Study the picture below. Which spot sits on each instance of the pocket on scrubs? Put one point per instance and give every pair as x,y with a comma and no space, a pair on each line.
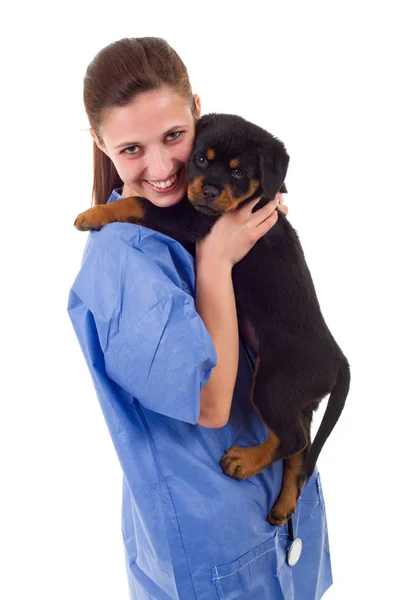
254,576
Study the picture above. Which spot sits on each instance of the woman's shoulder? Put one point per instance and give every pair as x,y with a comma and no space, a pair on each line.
124,260
138,243
112,238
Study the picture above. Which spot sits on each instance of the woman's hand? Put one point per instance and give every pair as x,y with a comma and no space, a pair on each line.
281,207
234,234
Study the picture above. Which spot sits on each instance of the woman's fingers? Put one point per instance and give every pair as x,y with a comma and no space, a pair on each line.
282,208
264,213
263,227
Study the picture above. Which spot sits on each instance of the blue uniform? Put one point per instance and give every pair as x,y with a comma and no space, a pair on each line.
190,532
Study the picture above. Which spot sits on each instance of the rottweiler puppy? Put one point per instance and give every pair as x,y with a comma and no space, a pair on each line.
298,360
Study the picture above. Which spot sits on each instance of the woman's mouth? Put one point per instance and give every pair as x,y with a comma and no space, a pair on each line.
168,185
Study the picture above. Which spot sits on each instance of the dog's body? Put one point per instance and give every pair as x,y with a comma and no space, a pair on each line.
298,362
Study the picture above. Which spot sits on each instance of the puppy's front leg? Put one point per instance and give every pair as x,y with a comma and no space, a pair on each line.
126,210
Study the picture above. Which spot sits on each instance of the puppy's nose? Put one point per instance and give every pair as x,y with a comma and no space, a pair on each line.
210,193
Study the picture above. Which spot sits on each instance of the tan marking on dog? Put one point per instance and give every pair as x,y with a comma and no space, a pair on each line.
234,163
210,154
292,483
126,210
195,189
226,201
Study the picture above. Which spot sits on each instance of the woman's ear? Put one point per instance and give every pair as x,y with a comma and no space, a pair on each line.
197,110
97,141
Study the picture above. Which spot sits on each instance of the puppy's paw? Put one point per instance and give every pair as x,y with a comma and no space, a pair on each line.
92,219
240,463
281,512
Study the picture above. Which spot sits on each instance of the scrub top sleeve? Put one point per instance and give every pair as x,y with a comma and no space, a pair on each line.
165,358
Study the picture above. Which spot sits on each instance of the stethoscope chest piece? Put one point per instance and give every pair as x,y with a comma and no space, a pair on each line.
294,552
295,548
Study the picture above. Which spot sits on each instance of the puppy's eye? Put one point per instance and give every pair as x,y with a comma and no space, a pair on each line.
201,161
238,173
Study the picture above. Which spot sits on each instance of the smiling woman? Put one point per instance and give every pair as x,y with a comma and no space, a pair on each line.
158,327
154,164
133,149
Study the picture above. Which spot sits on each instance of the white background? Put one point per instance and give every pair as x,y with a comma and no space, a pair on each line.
322,77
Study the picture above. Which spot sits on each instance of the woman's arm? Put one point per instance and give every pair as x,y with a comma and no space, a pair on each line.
215,302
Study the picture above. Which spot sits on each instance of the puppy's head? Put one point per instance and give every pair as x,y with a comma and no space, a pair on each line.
232,162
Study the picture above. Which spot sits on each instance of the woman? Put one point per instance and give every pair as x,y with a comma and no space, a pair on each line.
171,373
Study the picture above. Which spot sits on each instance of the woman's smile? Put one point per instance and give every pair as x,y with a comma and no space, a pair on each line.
168,185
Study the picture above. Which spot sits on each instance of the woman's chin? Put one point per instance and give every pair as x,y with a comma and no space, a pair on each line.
167,200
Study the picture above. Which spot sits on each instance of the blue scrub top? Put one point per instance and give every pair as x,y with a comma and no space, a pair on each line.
190,532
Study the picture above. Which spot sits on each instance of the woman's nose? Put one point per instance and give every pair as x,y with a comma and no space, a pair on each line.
159,164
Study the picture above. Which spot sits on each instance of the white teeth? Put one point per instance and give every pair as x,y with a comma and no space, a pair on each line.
163,184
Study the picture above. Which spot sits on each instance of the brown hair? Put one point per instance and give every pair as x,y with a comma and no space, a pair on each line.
116,75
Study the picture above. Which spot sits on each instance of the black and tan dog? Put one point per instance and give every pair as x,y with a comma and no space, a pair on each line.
298,362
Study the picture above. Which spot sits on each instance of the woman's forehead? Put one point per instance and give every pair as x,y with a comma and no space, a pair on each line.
150,115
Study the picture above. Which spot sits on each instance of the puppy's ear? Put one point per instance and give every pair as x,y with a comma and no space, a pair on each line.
274,162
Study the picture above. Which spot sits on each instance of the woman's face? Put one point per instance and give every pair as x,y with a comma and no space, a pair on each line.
150,141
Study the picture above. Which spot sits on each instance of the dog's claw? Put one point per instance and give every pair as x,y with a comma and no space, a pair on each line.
81,224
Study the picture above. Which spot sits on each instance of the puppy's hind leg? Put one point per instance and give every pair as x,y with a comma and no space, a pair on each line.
293,479
278,403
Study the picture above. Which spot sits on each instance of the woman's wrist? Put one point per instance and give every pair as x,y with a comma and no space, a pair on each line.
212,264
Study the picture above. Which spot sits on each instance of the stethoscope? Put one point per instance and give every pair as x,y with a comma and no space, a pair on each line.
295,546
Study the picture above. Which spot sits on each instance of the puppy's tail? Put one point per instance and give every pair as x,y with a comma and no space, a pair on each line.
332,413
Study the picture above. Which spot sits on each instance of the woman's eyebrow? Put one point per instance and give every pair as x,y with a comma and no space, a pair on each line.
170,130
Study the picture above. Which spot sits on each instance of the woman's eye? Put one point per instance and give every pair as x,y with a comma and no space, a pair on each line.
238,173
201,161
174,135
130,150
